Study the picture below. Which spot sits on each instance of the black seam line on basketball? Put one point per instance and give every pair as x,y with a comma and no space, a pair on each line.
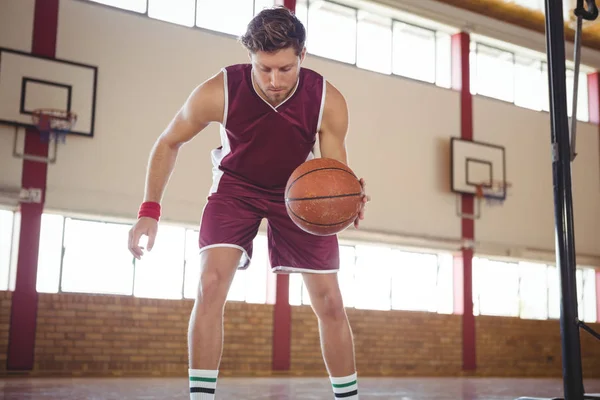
202,390
323,197
314,223
320,169
348,394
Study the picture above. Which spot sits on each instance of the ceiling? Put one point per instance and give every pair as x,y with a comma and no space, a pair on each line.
529,18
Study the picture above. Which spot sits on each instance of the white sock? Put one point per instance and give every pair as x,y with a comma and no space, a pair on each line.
345,387
202,384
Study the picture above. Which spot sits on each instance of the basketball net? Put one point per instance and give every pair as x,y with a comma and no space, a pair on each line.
487,194
53,124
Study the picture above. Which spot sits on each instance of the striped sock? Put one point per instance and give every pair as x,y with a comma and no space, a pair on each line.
202,384
345,387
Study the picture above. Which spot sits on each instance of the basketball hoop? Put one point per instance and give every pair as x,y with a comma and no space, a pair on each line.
53,124
494,194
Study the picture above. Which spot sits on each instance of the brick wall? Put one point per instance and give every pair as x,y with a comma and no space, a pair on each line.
5,302
516,347
116,335
387,343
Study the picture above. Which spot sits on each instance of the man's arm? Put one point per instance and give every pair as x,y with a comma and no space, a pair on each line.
332,135
334,126
204,105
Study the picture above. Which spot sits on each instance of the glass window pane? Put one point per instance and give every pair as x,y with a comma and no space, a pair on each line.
529,85
374,48
445,284
50,253
302,14
443,62
553,293
250,285
332,31
96,258
227,16
159,274
192,264
496,287
132,5
494,70
546,91
295,290
582,95
346,275
176,11
414,278
414,52
6,234
259,5
533,291
588,296
373,277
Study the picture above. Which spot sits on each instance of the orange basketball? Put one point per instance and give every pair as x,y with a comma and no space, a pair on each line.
323,196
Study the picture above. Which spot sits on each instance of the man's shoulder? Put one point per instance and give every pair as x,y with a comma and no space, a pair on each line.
232,68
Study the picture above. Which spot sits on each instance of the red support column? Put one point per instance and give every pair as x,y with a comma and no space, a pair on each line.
282,313
21,342
461,78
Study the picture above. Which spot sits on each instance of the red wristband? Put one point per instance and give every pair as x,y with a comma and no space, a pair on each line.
149,209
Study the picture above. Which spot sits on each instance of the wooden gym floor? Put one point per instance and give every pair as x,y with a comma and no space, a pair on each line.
283,388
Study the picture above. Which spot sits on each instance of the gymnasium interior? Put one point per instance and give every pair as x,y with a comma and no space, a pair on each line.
451,283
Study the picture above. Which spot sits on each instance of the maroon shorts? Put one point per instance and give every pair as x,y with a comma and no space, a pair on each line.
233,221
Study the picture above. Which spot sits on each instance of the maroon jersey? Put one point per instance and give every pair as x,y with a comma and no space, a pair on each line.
261,145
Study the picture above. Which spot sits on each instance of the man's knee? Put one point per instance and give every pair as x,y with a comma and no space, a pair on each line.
329,306
218,267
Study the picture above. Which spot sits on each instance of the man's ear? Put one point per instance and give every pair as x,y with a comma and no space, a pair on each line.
302,55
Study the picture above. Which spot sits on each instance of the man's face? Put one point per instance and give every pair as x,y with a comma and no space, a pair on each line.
276,74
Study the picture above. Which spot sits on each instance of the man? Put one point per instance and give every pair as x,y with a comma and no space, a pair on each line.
270,112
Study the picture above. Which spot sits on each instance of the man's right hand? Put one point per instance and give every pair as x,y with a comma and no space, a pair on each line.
144,226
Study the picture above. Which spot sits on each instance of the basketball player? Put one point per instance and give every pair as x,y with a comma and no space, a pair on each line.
270,112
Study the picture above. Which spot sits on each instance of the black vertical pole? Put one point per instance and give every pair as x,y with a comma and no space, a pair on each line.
563,202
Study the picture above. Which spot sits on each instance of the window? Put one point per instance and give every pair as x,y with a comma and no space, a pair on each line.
332,31
533,291
529,86
50,253
414,279
131,5
495,288
414,52
250,285
227,16
372,285
374,47
192,264
443,62
493,72
6,242
96,258
175,11
259,5
586,290
159,274
582,95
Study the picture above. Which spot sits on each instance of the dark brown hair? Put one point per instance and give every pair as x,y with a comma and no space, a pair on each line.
274,29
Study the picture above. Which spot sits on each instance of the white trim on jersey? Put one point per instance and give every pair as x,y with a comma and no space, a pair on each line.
269,104
217,155
322,104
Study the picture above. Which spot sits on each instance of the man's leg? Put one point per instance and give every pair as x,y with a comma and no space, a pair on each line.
228,227
337,343
205,332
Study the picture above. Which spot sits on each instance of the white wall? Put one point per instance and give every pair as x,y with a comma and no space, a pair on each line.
16,31
527,217
398,140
